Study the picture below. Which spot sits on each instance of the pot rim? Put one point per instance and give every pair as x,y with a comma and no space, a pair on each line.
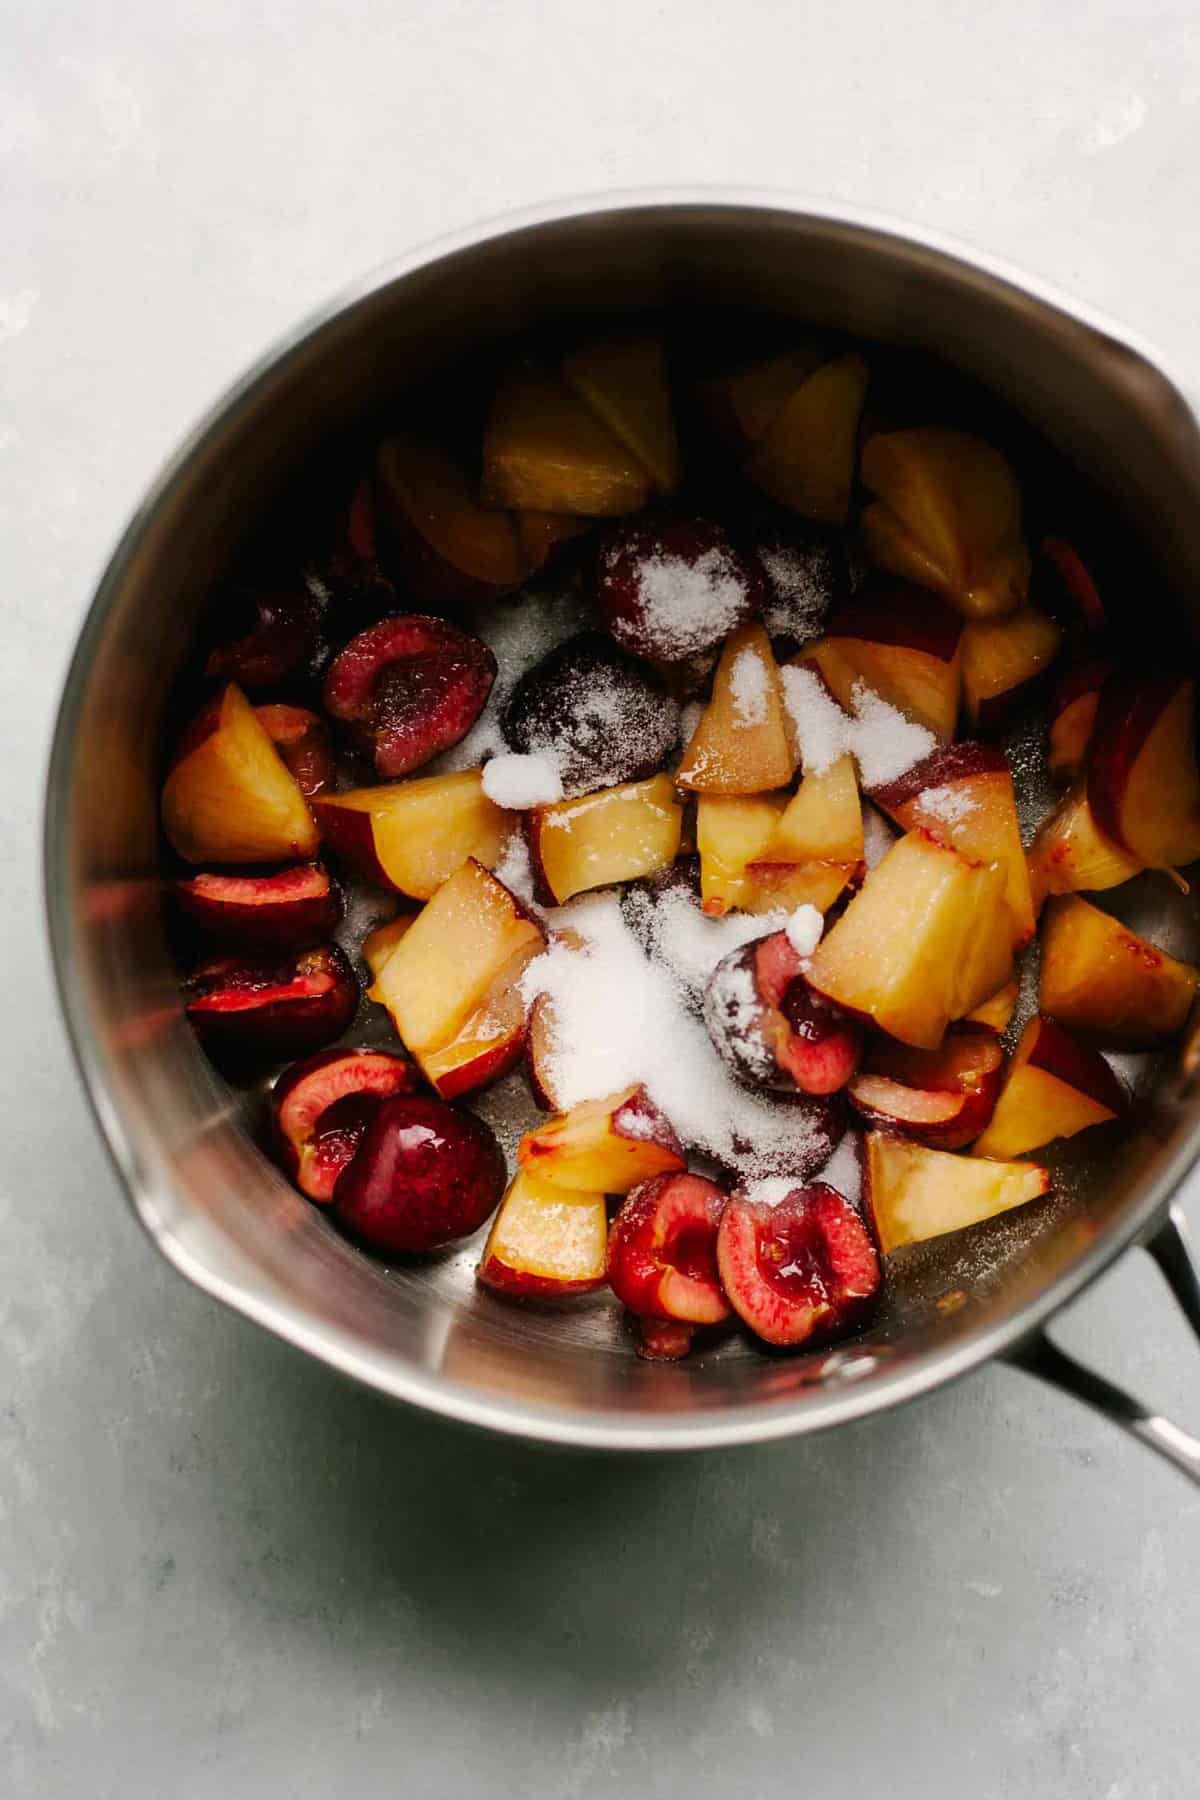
725,1425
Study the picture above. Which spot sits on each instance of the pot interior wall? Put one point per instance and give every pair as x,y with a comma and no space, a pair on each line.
217,1206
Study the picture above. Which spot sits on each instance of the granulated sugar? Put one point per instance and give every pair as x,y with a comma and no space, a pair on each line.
748,684
882,741
515,868
804,929
518,782
620,1019
801,584
685,941
690,603
843,1172
949,804
878,836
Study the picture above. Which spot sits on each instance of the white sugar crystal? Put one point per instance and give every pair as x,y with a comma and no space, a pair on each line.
519,782
690,603
882,741
515,869
843,1171
748,684
878,836
949,804
804,929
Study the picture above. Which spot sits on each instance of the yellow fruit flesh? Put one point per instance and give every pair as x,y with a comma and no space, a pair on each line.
545,451
420,484
617,834
1102,980
742,743
914,1193
233,800
624,381
806,457
424,830
549,1233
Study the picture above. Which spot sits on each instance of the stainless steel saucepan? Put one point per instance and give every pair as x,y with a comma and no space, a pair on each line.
212,1202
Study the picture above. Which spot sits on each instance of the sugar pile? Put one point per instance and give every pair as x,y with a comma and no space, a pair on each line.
878,836
519,782
801,582
620,1018
748,685
950,804
804,929
883,743
690,603
515,868
684,940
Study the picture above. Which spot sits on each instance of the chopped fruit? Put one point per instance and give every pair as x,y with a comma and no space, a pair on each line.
673,589
806,573
1143,781
624,381
279,639
302,739
443,545
732,832
963,796
600,715
320,1109
618,834
471,935
926,938
771,1028
662,1340
772,887
742,743
743,405
603,1146
914,1193
801,1270
948,516
805,458
409,688
541,1054
424,1175
544,450
246,1012
662,1250
545,1241
1073,717
1070,854
942,1097
1070,593
542,534
490,1043
1102,980
902,643
413,835
230,797
1055,1087
823,821
1002,659
378,945
996,1012
284,911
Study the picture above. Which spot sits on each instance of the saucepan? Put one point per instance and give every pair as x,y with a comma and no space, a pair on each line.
212,1202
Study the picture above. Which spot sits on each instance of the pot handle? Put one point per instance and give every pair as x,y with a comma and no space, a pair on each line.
1039,1355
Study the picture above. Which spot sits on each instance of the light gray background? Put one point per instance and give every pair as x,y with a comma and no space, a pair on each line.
222,1573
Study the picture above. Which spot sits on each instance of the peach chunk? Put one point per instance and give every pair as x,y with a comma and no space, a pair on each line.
1071,854
904,644
1143,781
742,405
948,516
448,962
603,1146
1073,717
412,835
996,1011
926,938
1104,981
914,1193
230,797
442,542
1055,1087
1002,661
545,451
545,1240
624,381
805,459
732,834
617,834
742,742
823,821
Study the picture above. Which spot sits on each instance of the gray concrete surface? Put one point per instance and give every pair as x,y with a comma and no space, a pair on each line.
222,1573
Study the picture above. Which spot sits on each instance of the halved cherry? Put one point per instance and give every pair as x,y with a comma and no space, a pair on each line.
803,1269
260,1012
409,688
302,739
943,1097
271,637
281,911
662,1250
321,1107
771,1028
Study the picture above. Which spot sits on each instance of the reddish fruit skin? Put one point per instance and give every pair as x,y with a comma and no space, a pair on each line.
952,762
288,910
662,1340
303,742
629,739
817,562
282,642
800,1272
1078,1065
409,688
468,1078
1064,587
1084,678
969,1066
662,1250
501,1279
423,1176
1128,710
625,553
350,836
246,1012
906,616
323,1105
794,1040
